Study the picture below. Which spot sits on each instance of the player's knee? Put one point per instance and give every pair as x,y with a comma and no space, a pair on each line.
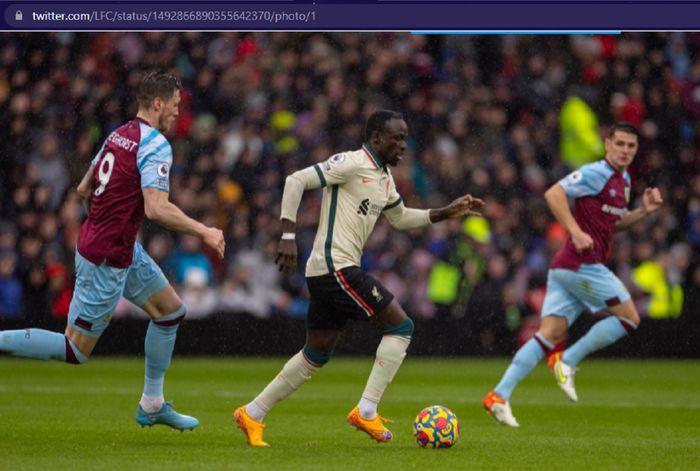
316,357
73,355
172,319
553,336
628,313
553,328
634,318
404,328
630,322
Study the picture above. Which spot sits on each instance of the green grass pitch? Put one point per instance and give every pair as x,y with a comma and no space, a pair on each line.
632,414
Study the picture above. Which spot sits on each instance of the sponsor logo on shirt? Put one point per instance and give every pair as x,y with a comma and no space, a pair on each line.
364,207
606,208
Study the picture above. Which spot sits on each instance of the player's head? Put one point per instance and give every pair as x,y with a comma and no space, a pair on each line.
385,133
159,96
621,145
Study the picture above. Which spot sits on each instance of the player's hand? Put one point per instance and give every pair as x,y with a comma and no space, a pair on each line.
582,241
214,238
287,256
464,206
651,200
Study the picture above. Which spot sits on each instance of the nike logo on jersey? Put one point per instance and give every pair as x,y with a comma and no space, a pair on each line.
366,180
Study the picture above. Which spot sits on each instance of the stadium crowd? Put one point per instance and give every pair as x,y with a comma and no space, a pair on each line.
484,115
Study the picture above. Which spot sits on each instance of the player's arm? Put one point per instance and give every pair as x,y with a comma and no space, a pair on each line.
308,178
558,203
84,188
651,201
334,171
153,160
405,219
159,209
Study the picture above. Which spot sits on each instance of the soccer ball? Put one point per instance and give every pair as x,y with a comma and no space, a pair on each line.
436,427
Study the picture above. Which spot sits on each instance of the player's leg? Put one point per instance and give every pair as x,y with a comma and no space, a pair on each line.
559,310
397,329
147,287
95,296
297,371
369,299
604,292
46,345
324,323
553,327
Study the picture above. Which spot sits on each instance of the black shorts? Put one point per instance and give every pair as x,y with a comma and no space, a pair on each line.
346,294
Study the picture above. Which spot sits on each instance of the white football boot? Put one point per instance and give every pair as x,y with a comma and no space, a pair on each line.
564,375
499,408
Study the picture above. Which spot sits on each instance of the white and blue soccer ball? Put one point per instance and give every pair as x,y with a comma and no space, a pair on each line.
436,427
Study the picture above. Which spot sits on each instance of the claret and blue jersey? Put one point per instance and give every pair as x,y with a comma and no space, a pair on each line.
133,157
601,196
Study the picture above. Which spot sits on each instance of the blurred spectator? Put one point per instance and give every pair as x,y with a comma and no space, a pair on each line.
46,166
188,255
10,286
252,285
35,303
60,289
201,300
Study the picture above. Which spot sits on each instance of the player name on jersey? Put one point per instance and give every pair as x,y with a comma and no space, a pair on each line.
122,141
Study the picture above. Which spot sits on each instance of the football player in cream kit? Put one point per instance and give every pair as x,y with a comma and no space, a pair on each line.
357,188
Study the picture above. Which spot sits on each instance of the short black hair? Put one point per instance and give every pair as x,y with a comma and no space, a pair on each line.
624,126
377,121
155,83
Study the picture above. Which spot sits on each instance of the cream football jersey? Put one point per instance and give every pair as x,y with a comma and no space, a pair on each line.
356,189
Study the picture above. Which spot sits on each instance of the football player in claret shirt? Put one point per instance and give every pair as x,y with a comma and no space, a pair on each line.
578,278
128,178
357,188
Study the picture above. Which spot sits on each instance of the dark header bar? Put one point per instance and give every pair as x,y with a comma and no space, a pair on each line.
388,15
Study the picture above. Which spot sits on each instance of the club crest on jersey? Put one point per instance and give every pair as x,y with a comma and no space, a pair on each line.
613,193
377,295
163,170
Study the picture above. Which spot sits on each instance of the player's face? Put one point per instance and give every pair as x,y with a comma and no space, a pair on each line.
169,112
620,149
391,143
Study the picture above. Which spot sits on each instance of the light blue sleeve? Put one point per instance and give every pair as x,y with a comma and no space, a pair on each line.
589,180
154,158
97,156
